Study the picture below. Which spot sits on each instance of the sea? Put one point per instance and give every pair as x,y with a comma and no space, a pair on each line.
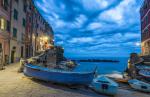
111,69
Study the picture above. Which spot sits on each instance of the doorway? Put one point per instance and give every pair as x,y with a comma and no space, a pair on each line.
1,56
12,56
22,51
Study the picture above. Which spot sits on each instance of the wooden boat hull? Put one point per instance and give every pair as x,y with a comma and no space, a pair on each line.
105,85
58,76
122,80
139,85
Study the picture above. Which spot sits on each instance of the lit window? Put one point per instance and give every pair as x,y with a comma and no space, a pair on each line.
2,24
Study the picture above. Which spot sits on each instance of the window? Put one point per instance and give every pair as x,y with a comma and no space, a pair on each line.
30,6
17,1
8,26
23,22
14,32
2,24
24,6
22,37
15,14
146,20
5,4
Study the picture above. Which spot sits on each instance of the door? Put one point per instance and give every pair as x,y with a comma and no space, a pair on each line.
1,56
12,56
22,51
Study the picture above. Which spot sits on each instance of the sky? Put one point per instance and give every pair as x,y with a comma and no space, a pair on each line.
94,28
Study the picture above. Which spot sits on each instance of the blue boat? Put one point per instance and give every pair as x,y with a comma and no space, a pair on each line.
58,76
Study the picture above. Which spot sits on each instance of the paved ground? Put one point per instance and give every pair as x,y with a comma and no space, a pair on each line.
13,84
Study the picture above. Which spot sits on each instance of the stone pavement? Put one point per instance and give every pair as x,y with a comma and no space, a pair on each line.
13,84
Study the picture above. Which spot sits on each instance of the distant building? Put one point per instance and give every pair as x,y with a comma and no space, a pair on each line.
55,56
145,27
59,54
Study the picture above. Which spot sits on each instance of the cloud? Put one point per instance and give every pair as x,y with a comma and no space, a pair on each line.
59,42
118,13
81,40
94,27
80,20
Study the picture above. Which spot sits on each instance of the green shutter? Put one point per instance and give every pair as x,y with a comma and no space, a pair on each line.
23,22
15,14
14,32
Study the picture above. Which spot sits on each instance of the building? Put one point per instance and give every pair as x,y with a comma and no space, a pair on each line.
29,32
4,32
23,31
59,54
145,27
43,34
18,25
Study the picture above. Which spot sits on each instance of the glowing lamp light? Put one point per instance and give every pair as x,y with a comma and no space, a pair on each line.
137,44
45,38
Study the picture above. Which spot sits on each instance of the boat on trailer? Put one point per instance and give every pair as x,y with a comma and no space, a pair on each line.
59,76
104,85
139,85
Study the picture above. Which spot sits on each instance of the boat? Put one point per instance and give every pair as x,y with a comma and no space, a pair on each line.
122,80
143,67
145,74
139,85
104,85
58,76
147,63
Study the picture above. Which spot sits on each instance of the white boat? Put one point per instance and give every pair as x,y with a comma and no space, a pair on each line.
143,67
104,85
145,74
139,85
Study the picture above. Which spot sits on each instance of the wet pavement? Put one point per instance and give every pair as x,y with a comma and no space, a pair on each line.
14,84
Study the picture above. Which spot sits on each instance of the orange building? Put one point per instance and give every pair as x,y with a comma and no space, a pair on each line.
4,31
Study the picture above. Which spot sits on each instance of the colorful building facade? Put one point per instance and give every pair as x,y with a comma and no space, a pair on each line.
4,32
18,21
23,31
145,27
